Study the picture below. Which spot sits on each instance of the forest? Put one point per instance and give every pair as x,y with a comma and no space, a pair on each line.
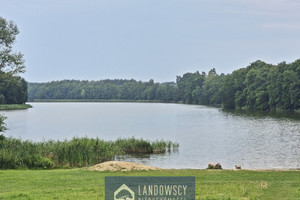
259,86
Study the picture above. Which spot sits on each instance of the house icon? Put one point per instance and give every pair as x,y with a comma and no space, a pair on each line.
124,193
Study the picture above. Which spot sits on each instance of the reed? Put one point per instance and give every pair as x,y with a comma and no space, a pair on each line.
77,152
14,106
136,146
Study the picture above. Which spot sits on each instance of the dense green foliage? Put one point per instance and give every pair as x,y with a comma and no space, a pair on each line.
260,86
265,87
78,152
13,88
2,125
90,185
104,89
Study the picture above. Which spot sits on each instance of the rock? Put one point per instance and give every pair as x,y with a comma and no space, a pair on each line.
214,166
238,167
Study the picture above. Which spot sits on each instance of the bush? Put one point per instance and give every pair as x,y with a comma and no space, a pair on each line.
45,163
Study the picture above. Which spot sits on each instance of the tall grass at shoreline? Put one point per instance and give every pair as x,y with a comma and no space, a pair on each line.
140,146
14,106
77,152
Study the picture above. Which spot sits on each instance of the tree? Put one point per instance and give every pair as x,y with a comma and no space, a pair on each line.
227,93
82,93
13,89
212,88
10,62
2,124
189,87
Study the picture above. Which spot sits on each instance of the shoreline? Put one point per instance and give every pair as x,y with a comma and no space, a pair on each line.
5,107
153,101
94,101
124,165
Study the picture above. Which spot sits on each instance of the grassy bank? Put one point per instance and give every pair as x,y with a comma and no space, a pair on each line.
14,106
96,100
210,184
78,152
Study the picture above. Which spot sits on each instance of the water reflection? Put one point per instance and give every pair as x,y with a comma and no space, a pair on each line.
153,159
264,114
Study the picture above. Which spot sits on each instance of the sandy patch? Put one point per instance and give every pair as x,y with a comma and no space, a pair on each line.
120,166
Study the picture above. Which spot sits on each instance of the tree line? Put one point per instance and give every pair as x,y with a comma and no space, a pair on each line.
259,86
104,89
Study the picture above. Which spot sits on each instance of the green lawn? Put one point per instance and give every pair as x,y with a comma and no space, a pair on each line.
210,184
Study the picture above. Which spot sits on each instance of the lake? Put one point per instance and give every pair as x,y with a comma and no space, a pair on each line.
205,134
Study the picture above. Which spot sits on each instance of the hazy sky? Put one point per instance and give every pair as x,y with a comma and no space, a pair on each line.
144,39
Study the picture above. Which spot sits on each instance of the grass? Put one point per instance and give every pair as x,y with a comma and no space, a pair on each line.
210,184
77,152
14,106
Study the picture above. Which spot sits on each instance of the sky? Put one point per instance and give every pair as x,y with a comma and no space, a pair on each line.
150,39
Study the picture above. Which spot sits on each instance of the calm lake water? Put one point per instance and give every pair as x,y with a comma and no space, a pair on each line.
205,134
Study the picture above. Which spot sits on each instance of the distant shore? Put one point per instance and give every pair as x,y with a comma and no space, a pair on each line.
14,106
96,100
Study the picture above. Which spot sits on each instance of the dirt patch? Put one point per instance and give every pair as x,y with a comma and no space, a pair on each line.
120,166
